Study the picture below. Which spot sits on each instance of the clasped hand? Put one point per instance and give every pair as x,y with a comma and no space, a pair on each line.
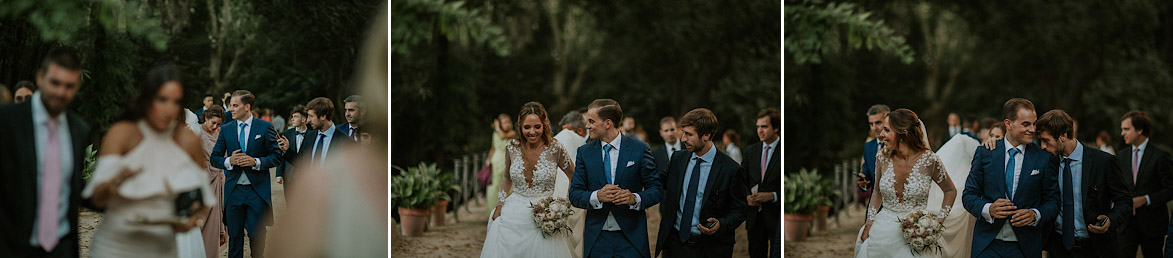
613,194
240,159
1003,208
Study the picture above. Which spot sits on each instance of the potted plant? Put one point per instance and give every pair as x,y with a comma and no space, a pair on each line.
442,183
413,192
801,200
827,194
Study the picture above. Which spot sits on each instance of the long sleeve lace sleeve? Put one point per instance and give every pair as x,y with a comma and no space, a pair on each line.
941,176
877,195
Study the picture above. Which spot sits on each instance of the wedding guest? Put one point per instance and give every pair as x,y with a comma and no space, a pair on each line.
214,231
278,120
24,91
1104,142
730,140
763,175
640,134
327,138
953,128
41,160
628,126
1148,170
867,174
246,149
207,103
502,130
146,163
698,221
1092,192
296,135
986,124
663,153
355,113
998,131
342,211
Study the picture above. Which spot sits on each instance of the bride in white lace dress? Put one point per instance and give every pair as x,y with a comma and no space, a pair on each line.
905,172
532,166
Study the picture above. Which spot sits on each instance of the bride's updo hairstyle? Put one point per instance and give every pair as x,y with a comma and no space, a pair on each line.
906,125
533,108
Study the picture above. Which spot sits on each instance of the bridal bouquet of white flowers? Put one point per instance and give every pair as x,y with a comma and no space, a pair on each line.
551,215
922,231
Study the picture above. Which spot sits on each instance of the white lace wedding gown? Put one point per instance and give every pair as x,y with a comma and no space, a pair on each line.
885,238
514,233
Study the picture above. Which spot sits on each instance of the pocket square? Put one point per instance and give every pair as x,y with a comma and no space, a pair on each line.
1034,172
259,136
630,163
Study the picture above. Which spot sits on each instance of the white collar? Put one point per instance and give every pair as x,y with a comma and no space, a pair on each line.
1142,145
1020,147
614,143
248,121
673,146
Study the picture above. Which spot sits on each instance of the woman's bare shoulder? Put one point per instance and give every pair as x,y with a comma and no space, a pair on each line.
120,138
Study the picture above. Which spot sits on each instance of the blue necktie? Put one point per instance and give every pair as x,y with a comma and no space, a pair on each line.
607,163
690,201
318,151
1010,174
243,137
1068,206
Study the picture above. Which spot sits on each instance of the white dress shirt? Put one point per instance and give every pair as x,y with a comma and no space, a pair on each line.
40,135
1007,232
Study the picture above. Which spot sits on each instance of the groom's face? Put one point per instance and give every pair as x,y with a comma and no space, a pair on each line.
1022,129
595,125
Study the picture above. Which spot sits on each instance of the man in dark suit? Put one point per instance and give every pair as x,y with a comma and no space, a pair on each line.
207,101
1147,175
762,173
615,180
702,205
1011,189
294,136
246,149
663,154
41,158
1092,191
355,111
867,174
323,140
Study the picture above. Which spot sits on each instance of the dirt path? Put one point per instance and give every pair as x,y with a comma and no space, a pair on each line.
465,238
89,221
838,240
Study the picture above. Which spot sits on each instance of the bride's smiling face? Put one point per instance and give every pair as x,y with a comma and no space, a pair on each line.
886,133
531,128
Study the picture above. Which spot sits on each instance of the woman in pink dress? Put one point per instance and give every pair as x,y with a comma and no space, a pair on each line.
215,233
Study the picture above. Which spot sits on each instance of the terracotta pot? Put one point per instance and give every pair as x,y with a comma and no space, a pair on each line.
821,217
797,226
413,221
438,213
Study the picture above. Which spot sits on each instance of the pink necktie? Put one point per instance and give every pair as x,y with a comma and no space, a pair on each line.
765,154
1135,166
50,188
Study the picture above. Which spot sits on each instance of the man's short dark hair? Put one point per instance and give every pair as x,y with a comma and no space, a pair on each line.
878,109
299,109
25,84
1056,123
246,97
1140,121
1010,109
64,57
604,102
775,117
667,119
702,120
321,106
611,112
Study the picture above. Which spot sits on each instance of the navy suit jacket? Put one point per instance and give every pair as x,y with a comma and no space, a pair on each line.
344,128
987,183
869,162
640,178
262,144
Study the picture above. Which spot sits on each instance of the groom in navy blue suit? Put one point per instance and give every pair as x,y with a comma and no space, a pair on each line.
615,180
1012,189
246,149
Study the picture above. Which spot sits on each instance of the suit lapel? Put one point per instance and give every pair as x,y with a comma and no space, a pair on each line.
254,129
1088,168
594,162
1146,161
1000,168
714,172
756,175
625,150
